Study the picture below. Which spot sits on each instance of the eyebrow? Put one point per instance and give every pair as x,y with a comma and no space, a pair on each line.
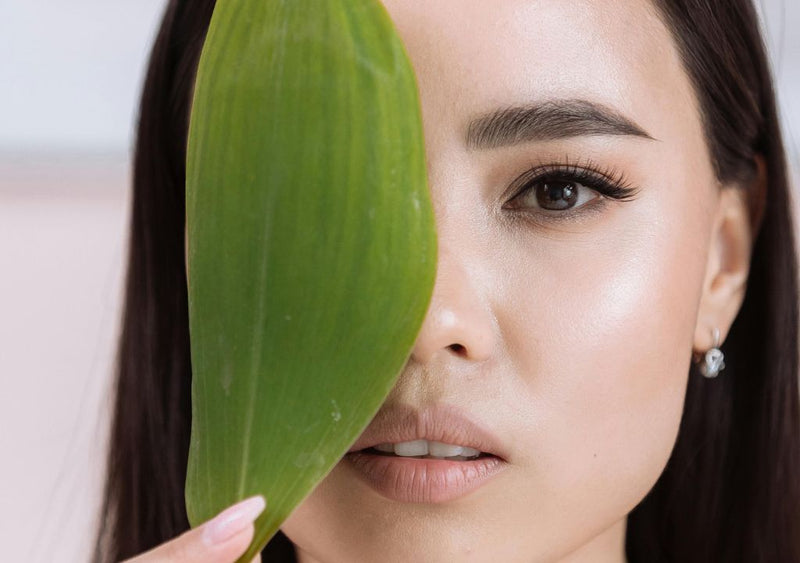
548,121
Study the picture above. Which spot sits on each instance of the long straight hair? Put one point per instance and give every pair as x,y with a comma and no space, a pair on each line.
731,489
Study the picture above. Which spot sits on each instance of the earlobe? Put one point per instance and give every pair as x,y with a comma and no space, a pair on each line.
736,222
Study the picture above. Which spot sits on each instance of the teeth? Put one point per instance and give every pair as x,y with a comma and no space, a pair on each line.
425,447
444,450
415,447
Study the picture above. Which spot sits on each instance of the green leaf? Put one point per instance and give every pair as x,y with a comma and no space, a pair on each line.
312,249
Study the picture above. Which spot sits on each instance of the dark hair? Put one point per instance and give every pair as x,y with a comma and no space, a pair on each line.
731,489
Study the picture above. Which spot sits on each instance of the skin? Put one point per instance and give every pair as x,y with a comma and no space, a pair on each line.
575,332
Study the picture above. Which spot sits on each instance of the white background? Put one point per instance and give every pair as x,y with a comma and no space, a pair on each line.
70,74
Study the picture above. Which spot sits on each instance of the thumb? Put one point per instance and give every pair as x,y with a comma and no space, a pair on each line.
220,540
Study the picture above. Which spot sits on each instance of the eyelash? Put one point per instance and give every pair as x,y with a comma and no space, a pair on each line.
605,181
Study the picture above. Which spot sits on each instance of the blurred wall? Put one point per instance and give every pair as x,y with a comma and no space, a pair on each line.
782,24
70,72
70,75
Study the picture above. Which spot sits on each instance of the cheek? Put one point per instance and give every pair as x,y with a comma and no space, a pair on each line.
601,326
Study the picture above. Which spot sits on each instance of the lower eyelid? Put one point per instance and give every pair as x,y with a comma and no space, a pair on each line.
575,214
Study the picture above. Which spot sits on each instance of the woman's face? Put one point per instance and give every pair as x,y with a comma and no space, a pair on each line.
573,251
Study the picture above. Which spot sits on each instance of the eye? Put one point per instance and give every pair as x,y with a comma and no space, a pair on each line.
556,195
556,191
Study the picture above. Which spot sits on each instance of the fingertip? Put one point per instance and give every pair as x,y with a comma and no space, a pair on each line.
233,520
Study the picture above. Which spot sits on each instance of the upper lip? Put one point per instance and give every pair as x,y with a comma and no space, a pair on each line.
440,423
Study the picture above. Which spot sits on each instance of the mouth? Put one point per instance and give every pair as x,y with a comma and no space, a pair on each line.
440,431
433,456
375,451
424,449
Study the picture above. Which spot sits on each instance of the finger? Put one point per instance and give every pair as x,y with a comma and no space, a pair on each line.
220,540
257,559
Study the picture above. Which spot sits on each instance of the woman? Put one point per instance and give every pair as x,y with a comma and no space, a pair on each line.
612,204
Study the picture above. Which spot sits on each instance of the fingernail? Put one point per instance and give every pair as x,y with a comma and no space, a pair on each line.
233,520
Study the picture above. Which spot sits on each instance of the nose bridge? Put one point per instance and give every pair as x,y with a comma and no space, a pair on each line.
459,320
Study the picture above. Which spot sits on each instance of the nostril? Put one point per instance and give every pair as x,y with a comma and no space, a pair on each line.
457,348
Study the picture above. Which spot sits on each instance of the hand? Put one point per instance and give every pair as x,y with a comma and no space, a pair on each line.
220,540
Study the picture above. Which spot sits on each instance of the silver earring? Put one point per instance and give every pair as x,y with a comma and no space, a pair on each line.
714,359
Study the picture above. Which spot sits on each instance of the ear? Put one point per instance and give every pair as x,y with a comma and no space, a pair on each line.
738,218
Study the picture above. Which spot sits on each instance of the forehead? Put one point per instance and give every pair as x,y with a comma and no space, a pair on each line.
472,56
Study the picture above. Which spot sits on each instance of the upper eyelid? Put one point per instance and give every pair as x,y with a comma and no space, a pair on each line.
583,172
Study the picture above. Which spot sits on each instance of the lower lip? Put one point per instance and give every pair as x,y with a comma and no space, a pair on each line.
423,480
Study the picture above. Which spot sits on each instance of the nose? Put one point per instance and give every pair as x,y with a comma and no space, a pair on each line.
459,321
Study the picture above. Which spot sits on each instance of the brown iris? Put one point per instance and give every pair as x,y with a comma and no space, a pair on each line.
556,195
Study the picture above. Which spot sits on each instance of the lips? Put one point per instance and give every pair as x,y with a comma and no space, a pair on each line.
440,423
426,480
412,480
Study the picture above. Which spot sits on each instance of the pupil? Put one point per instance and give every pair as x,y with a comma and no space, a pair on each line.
556,195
